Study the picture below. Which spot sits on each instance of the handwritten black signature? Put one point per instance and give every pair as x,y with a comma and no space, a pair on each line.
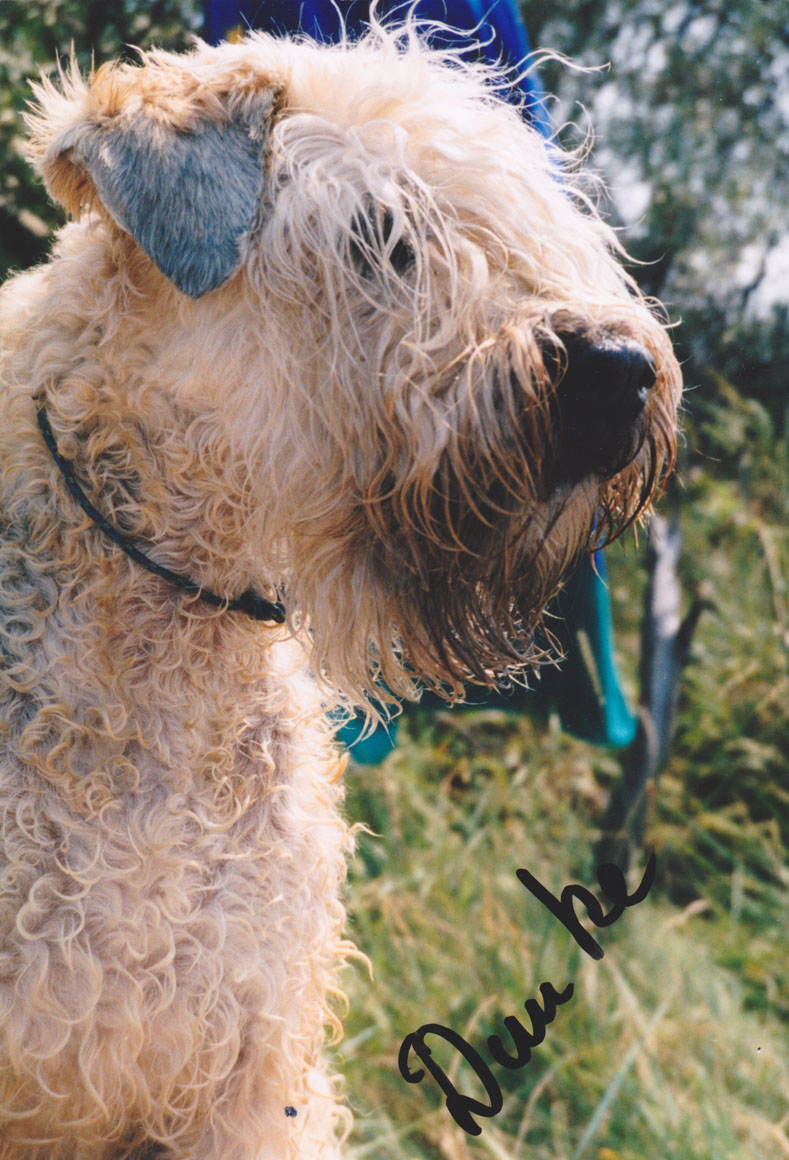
463,1107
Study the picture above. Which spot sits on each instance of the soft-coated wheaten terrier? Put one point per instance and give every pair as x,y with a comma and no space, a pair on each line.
322,393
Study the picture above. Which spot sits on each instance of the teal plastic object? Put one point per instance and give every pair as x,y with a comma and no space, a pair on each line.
373,748
584,688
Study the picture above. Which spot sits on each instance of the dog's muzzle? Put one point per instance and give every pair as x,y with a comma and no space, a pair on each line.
598,405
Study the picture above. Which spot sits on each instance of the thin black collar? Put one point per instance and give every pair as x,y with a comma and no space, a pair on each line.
248,602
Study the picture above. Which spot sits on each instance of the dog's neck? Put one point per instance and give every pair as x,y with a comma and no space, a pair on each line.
120,474
249,602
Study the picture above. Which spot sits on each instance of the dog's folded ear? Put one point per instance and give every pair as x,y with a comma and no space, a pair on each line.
188,194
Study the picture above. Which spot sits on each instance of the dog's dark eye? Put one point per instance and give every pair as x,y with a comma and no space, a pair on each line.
369,245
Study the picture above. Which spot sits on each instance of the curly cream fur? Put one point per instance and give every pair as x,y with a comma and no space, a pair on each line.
366,440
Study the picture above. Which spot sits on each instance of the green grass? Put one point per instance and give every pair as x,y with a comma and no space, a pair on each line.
658,1053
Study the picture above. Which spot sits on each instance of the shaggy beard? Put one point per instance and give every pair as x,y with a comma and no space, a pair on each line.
471,568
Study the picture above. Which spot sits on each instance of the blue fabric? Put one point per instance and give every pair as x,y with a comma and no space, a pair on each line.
496,24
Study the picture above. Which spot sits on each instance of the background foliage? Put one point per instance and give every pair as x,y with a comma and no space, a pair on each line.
674,1044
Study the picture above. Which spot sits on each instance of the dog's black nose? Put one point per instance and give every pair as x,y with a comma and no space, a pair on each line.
602,386
610,377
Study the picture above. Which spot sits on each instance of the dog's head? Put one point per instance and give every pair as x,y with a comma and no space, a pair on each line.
418,331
